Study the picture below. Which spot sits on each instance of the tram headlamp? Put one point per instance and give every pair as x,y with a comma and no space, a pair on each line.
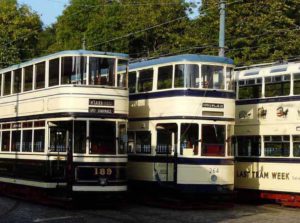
214,178
103,181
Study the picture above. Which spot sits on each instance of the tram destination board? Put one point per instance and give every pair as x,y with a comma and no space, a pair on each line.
101,102
101,110
212,105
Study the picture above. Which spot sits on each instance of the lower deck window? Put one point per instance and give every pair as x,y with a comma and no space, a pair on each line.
16,141
296,145
277,146
139,142
39,140
5,141
27,141
189,139
166,138
213,140
248,145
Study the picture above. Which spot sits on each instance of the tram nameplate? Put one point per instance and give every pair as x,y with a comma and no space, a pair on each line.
101,110
212,105
101,102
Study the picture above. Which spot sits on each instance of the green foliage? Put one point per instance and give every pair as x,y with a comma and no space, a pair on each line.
19,29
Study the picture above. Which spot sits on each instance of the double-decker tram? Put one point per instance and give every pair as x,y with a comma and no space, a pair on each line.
268,132
63,121
181,119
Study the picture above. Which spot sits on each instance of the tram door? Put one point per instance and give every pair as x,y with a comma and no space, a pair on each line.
60,142
165,162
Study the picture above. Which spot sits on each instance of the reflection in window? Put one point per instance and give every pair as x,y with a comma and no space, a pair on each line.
102,71
102,137
5,141
164,80
250,88
122,76
122,139
277,145
40,75
16,141
80,137
73,70
189,139
277,86
53,72
28,77
143,142
166,138
186,75
145,81
248,145
7,83
17,81
27,141
39,140
213,140
132,82
212,77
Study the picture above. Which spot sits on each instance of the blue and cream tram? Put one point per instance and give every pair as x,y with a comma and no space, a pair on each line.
181,119
268,131
63,122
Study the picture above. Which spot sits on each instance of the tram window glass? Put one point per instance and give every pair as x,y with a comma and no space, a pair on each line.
102,137
131,142
7,83
189,139
40,75
277,86
248,145
102,71
122,139
60,136
145,81
132,82
277,145
250,88
73,70
143,142
166,138
16,141
296,145
80,137
53,72
5,141
229,78
186,75
121,77
38,140
297,83
230,147
164,80
213,140
28,77
17,81
212,77
27,140
0,84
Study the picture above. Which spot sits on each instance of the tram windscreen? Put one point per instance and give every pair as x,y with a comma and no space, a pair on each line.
132,82
213,140
53,72
164,77
73,70
28,77
6,83
102,137
40,71
17,81
102,71
186,75
212,77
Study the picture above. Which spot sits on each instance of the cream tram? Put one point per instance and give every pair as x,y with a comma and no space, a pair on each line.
267,131
181,119
63,123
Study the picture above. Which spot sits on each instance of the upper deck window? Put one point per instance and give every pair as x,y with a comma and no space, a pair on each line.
277,86
132,82
40,75
145,81
250,88
102,71
297,83
122,77
229,78
17,81
73,70
53,72
28,77
7,83
248,145
186,75
0,84
164,79
212,77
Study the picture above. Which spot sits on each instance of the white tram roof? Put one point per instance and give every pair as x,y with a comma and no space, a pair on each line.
181,58
270,69
65,53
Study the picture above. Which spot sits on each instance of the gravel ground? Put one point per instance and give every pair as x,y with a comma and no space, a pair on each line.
13,210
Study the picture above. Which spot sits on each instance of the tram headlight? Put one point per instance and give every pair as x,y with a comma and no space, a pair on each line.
214,178
103,181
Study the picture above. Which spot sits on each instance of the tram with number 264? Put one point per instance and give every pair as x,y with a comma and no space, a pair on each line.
63,123
181,120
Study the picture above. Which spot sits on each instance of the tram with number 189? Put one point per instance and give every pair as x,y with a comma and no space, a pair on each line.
181,120
63,123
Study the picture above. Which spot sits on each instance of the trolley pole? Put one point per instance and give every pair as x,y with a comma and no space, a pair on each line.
222,29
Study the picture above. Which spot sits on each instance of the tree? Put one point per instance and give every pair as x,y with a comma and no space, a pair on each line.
19,29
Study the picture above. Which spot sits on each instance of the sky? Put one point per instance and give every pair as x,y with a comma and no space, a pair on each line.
47,9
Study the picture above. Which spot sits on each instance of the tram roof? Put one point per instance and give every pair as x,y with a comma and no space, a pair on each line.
181,58
62,53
